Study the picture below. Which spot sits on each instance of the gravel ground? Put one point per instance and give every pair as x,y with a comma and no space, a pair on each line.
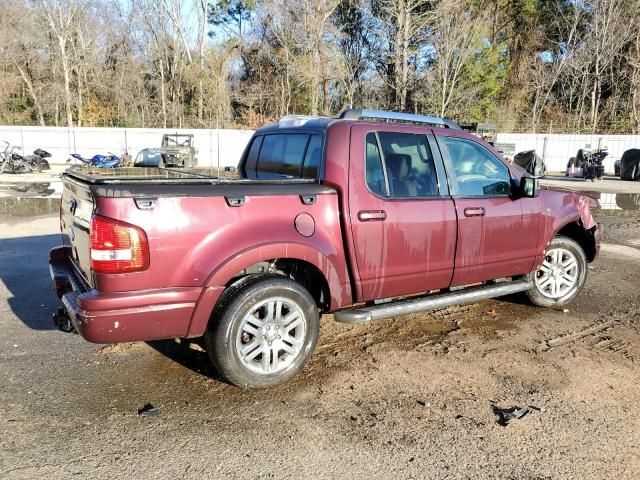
410,397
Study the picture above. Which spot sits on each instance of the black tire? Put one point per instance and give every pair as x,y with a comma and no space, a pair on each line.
226,332
537,295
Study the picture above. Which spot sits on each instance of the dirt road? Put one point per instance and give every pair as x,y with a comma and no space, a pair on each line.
410,397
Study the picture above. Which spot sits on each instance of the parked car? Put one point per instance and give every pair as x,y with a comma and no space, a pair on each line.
149,157
177,150
369,216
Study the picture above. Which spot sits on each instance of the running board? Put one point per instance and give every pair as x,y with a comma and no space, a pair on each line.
430,302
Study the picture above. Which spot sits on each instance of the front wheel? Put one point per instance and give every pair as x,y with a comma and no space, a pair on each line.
561,275
263,332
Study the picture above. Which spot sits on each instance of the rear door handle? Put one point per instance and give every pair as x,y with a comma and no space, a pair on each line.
474,212
372,215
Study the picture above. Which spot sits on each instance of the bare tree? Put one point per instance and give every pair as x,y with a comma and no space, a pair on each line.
60,16
548,68
609,30
457,36
22,50
403,23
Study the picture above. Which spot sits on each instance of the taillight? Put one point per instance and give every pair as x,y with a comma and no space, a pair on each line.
117,247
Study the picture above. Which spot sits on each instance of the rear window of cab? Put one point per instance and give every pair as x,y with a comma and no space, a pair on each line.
284,155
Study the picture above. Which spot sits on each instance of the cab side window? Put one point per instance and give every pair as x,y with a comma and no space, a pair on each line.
400,165
284,155
476,172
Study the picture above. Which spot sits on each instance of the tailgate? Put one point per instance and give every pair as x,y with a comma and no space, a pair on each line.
75,219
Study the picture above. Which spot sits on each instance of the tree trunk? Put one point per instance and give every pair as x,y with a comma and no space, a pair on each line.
405,58
80,95
26,78
67,79
162,95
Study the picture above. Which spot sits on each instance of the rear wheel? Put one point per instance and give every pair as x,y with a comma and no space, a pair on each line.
561,275
263,332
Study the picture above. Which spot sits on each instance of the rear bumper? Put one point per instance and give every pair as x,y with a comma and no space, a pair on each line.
123,316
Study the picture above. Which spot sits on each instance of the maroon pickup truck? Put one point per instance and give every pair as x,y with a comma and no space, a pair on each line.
369,216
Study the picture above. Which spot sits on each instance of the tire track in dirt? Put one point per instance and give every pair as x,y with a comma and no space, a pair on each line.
574,336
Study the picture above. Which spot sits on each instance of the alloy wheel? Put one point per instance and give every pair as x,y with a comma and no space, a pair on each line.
271,336
558,275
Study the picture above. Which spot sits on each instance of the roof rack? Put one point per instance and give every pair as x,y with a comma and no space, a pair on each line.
296,120
399,117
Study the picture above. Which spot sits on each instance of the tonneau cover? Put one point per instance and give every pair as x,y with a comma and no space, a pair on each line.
165,182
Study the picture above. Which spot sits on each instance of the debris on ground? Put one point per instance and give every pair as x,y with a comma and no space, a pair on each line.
505,415
148,410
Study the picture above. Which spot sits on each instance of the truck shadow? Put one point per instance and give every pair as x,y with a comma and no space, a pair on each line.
24,271
189,353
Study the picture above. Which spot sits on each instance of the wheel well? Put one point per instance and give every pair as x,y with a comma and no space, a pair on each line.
585,238
305,273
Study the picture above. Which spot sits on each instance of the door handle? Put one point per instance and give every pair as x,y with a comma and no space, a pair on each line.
474,212
372,215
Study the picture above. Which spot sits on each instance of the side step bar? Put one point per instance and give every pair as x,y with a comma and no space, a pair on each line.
430,302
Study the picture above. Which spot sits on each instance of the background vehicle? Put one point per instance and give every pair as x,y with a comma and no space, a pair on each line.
5,155
531,162
13,162
149,157
630,165
365,216
110,160
177,150
587,164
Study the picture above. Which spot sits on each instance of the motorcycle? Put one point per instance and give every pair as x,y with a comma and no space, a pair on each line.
587,164
13,162
100,161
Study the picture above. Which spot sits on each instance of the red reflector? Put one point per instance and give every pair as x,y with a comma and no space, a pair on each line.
117,247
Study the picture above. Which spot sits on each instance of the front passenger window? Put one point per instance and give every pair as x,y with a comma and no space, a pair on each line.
476,172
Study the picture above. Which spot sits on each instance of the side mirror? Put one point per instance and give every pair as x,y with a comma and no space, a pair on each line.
529,187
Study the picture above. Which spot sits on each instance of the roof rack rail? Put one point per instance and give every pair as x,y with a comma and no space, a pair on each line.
296,120
400,117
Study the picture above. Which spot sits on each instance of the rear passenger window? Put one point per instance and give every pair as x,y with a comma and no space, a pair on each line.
252,156
400,165
312,157
283,154
373,164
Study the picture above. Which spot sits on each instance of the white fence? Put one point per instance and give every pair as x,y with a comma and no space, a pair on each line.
213,147
224,147
556,149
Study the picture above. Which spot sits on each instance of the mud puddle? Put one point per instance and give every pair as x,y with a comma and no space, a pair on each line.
28,206
28,188
616,201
